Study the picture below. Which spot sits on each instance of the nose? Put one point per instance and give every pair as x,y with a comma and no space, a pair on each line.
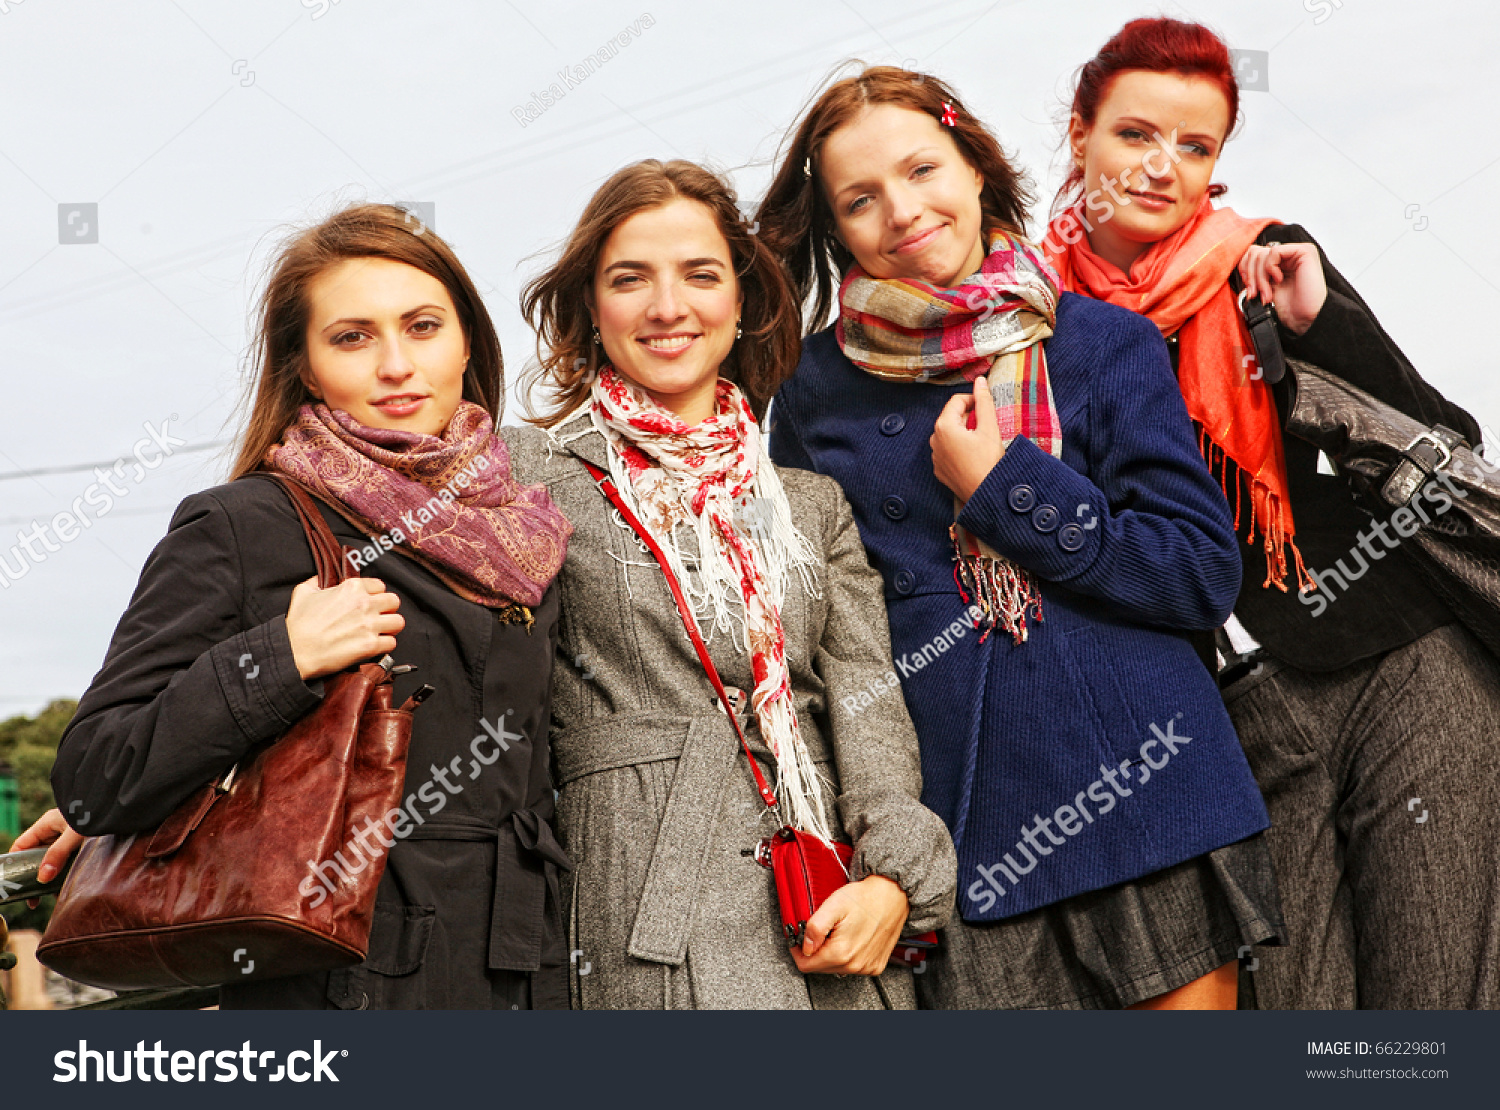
396,363
905,207
664,306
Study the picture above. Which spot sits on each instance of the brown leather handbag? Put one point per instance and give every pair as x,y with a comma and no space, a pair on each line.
228,889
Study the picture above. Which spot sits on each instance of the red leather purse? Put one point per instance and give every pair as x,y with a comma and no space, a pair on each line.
807,869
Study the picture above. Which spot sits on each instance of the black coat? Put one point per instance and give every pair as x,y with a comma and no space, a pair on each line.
1390,606
466,909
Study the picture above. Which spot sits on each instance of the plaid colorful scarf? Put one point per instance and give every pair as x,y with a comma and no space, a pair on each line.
992,323
715,479
451,498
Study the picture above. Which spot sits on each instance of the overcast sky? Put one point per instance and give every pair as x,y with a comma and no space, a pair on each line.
202,129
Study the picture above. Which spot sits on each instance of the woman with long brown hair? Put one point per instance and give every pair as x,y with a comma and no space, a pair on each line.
1357,692
1024,450
378,385
662,329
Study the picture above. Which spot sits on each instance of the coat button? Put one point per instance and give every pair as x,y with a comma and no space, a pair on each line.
1046,518
905,582
1022,498
892,424
894,507
1070,537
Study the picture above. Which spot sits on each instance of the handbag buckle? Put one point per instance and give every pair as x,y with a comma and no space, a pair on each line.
1445,455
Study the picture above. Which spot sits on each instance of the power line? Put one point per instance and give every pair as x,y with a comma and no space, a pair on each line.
78,467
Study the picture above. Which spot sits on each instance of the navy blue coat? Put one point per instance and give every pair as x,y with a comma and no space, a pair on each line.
1099,751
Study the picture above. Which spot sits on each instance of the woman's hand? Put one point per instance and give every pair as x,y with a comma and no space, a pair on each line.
966,440
330,629
50,829
856,930
1290,275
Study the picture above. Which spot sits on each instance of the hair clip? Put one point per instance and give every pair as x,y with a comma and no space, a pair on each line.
807,166
950,117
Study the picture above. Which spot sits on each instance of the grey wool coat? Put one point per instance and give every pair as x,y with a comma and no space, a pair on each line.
657,798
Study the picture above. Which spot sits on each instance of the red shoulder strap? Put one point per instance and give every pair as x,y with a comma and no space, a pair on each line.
607,485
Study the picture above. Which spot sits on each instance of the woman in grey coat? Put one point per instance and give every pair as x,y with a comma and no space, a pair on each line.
638,319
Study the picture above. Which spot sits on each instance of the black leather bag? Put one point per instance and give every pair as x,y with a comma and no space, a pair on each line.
1426,479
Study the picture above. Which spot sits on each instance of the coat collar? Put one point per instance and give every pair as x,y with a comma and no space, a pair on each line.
578,437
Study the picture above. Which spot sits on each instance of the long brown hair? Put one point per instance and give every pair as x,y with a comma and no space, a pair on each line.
556,302
280,351
795,220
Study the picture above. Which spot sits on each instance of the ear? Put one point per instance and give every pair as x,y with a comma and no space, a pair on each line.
309,383
1078,136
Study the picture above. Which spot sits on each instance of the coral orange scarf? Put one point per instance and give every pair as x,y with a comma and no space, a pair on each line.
1182,285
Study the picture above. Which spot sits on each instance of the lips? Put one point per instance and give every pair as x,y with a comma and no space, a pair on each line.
668,346
400,404
916,241
1151,200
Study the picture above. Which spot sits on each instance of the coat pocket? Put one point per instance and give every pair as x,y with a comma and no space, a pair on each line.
399,936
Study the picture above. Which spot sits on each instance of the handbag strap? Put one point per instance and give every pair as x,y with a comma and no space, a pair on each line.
327,552
607,485
1260,320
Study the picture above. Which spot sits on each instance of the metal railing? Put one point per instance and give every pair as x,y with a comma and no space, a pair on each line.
18,882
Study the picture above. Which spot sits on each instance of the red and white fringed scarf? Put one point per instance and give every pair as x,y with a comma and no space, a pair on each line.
715,480
992,323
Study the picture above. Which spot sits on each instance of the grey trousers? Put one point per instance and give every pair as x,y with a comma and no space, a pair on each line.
1383,784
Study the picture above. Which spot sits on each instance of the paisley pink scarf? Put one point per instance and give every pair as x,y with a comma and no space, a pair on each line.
447,501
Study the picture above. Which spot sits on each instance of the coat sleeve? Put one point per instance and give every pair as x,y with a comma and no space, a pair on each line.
880,775
187,686
1148,530
1346,339
785,444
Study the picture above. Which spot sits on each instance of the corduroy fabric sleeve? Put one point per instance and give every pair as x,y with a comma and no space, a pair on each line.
186,688
1346,339
1147,530
873,739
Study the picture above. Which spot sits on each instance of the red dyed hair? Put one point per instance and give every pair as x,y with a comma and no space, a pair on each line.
1159,46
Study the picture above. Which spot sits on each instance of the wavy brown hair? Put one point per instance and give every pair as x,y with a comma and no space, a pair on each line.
556,303
279,358
795,219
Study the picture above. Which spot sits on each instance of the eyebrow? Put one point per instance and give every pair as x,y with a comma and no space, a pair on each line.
366,322
690,264
912,157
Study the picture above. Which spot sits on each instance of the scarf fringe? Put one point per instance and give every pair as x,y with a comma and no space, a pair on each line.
1265,506
1004,592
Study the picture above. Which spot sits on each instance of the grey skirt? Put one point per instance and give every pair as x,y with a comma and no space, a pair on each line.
1111,948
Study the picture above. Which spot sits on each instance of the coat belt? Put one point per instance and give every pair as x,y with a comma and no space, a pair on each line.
527,860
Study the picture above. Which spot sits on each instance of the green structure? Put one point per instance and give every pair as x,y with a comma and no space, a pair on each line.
10,802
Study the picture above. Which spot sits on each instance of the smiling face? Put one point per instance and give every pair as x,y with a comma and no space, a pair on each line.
1159,184
385,345
666,301
904,200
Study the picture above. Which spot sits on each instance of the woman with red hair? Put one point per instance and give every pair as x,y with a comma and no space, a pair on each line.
1347,712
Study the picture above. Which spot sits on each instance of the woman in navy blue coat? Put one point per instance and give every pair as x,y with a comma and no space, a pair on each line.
1107,825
